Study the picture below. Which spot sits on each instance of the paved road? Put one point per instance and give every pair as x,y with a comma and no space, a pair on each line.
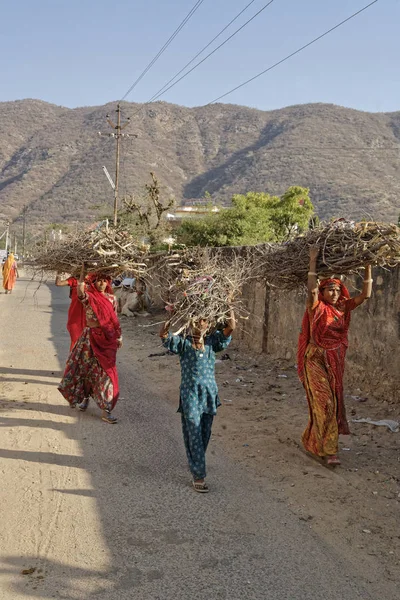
105,512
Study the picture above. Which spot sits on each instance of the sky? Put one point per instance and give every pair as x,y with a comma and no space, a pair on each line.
89,52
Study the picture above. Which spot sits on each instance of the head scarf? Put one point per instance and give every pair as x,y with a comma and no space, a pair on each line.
344,292
102,307
318,327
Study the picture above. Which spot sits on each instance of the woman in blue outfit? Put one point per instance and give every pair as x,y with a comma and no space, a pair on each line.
199,399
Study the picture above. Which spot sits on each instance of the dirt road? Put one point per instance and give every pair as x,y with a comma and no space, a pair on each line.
91,510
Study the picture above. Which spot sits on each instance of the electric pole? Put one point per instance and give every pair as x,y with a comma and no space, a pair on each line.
7,234
118,128
24,211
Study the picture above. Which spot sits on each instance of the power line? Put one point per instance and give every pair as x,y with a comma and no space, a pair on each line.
286,148
201,51
162,50
293,53
167,87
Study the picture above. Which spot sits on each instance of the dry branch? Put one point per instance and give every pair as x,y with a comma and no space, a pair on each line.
345,246
107,249
199,284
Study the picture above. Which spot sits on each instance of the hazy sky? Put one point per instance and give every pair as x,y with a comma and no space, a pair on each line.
89,52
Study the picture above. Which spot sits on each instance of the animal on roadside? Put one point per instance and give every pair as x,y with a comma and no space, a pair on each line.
137,300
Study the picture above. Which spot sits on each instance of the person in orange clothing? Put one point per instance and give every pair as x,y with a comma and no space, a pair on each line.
10,273
76,321
321,358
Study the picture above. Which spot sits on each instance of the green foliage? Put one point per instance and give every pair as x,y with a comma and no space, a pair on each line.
254,218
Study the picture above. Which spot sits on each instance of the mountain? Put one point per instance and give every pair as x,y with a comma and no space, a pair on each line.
51,157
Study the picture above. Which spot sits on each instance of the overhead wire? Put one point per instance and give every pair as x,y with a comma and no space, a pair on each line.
293,53
162,50
167,87
202,50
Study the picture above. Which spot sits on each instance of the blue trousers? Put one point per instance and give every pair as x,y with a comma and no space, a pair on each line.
196,438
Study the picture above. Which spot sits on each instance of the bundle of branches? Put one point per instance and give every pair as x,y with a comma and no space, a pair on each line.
106,249
345,247
200,284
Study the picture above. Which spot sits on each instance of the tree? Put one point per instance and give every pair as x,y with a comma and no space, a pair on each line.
254,217
145,218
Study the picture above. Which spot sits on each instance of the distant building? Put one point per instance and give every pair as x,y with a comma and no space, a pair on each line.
196,209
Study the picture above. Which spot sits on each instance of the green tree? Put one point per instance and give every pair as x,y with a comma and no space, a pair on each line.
253,218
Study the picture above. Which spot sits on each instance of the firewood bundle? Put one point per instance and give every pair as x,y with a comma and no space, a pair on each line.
110,250
345,247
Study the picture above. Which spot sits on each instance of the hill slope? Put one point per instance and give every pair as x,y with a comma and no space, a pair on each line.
51,157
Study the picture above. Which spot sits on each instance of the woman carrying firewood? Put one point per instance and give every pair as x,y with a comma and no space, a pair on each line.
91,366
199,399
321,358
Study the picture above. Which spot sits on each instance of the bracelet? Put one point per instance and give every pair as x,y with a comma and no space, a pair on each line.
368,280
312,273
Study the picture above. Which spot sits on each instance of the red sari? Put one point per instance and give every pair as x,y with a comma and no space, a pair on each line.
91,366
76,322
323,343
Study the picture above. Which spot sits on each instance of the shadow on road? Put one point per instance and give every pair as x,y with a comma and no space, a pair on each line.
161,540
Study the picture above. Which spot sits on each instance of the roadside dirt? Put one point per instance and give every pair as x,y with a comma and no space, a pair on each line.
355,507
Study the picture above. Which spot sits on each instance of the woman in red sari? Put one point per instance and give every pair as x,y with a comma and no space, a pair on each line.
76,321
91,366
321,358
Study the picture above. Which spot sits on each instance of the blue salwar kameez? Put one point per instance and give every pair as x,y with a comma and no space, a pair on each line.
198,399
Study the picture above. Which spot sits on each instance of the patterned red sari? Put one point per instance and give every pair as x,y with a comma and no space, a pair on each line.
321,356
91,366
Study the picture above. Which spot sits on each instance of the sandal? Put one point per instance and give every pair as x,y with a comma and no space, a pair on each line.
333,460
202,488
108,418
83,405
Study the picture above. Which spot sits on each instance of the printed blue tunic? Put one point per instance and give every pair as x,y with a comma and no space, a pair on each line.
198,390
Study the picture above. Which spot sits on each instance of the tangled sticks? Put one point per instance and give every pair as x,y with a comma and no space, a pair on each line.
206,282
202,283
345,248
107,249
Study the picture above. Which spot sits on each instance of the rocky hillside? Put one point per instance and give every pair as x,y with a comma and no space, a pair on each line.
51,157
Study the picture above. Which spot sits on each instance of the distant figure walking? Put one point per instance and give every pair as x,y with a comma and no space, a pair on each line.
321,358
76,321
10,273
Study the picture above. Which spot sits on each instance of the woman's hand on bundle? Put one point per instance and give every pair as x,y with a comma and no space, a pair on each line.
164,329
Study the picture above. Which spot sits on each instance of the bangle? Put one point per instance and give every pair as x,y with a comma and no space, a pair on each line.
312,273
368,280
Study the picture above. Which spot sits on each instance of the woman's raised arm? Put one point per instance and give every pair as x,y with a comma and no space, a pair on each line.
312,284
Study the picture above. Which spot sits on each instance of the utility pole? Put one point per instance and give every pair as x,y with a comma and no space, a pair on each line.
7,233
24,211
118,128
